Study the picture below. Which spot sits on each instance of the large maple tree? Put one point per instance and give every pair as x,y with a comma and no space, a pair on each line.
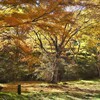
56,21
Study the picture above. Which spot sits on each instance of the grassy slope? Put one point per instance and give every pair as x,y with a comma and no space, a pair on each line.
75,90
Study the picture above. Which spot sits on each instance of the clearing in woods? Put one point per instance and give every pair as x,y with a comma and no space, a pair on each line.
73,90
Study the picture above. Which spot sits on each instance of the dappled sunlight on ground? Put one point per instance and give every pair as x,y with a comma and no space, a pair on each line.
30,87
74,88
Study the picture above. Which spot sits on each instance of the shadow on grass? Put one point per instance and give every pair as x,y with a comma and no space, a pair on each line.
46,96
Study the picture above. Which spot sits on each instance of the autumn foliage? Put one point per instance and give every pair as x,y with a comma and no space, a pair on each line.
66,31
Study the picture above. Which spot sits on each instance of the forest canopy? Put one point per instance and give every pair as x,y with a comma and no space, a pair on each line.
49,40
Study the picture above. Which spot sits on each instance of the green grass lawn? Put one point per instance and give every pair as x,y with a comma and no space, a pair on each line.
73,90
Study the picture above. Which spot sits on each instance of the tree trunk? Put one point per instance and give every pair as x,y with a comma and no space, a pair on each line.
55,73
55,76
